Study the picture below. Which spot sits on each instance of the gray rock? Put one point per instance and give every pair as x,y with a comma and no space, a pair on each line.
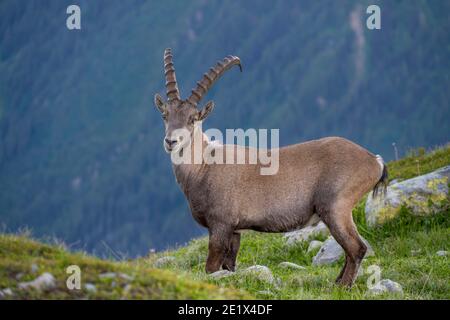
331,252
164,261
392,286
394,181
386,285
126,277
113,275
265,293
291,265
34,268
306,233
127,289
44,282
5,293
90,287
413,193
221,274
107,275
377,289
313,245
441,253
261,273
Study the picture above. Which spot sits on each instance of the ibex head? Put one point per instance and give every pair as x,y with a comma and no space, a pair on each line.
183,114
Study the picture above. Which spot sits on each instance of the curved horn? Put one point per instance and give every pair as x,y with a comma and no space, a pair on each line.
171,81
211,77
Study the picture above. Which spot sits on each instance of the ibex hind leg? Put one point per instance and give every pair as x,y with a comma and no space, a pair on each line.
340,222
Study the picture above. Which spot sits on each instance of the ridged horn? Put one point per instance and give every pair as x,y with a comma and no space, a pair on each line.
211,77
171,80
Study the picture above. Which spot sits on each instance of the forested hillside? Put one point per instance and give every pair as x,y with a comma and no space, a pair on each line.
81,155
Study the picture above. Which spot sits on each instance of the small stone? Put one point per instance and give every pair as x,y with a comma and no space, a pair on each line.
304,234
126,277
386,285
221,274
291,265
107,275
127,288
331,252
164,261
313,245
126,291
5,292
392,286
112,275
43,282
262,273
34,268
377,289
441,253
90,287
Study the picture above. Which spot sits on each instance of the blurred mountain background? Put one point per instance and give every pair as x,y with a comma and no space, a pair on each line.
81,155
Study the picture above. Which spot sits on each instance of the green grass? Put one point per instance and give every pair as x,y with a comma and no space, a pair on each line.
423,274
19,253
418,162
405,249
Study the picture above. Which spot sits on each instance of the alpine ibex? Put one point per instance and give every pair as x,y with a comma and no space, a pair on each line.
317,180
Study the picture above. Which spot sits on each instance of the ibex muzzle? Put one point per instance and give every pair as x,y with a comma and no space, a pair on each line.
316,180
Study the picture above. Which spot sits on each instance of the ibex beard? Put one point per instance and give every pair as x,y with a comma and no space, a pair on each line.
316,180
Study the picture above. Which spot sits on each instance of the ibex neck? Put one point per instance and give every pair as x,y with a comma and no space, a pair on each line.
191,173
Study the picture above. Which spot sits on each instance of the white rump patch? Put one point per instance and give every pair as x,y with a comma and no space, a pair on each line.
380,161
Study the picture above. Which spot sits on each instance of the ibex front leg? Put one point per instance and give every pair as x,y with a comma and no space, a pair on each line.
231,255
219,242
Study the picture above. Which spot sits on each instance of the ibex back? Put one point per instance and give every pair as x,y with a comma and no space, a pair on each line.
317,180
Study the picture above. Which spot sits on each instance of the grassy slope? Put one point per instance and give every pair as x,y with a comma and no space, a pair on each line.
405,250
19,253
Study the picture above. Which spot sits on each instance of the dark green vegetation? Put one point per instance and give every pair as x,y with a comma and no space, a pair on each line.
19,253
405,250
81,154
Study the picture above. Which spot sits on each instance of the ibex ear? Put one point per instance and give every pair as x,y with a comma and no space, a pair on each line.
202,114
159,103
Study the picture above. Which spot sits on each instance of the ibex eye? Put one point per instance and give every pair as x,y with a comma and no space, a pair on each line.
164,116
